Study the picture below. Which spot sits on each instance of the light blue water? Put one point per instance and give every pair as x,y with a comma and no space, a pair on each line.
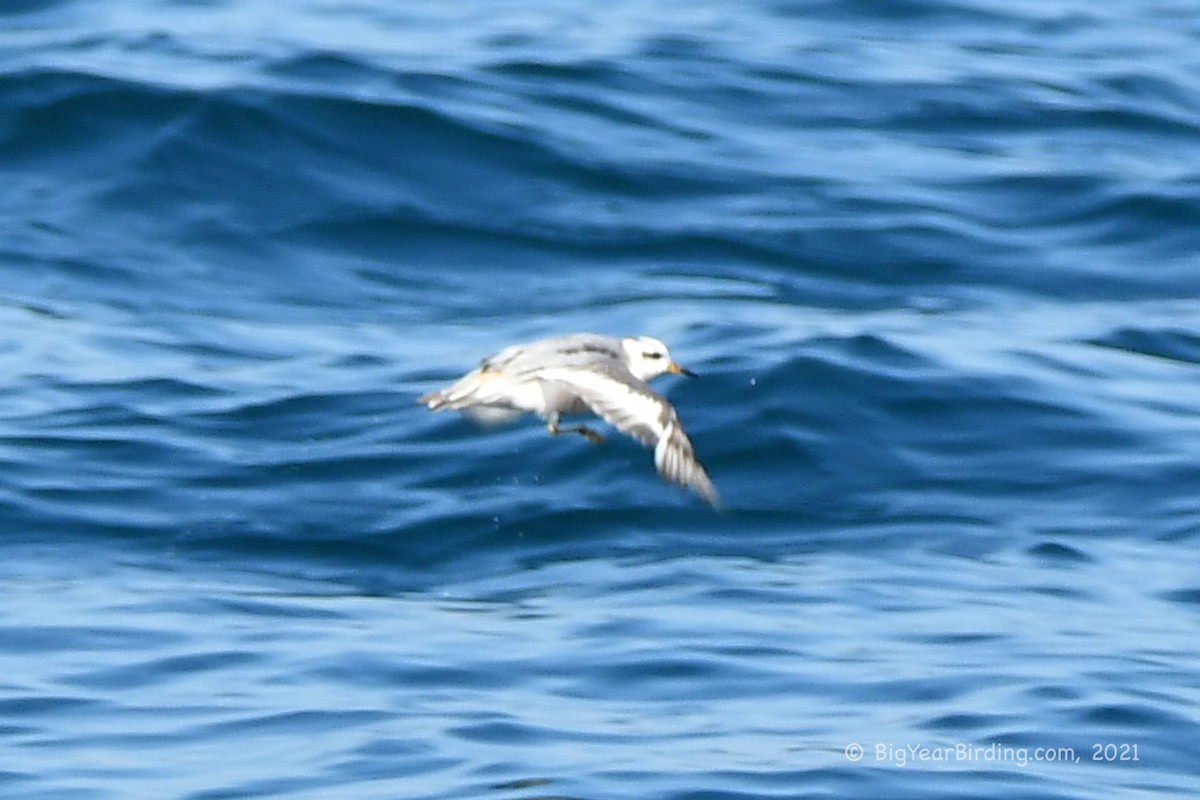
935,261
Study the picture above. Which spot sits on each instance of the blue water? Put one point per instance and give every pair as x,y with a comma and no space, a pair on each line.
938,263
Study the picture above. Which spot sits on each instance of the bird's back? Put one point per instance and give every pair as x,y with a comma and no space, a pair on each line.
575,350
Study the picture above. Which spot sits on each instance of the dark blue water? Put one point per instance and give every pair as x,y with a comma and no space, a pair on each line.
937,262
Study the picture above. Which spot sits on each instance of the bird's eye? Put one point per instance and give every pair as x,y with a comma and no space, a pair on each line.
652,355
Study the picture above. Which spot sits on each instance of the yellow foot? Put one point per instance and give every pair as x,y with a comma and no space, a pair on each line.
582,430
591,435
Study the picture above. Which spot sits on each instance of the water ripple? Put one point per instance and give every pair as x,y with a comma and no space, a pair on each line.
933,259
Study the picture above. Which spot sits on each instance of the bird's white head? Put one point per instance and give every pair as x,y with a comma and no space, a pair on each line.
648,358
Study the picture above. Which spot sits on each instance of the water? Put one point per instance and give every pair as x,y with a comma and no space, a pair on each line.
936,262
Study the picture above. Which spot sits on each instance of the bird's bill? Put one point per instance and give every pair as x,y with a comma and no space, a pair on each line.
675,369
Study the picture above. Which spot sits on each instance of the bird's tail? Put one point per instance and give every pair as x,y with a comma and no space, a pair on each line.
462,393
434,400
473,395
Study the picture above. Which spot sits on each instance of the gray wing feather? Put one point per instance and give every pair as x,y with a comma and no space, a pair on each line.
577,349
676,461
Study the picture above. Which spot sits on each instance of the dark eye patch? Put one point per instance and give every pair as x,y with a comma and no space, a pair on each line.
652,355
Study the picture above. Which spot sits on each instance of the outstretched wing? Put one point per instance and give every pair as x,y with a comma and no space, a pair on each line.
676,461
632,407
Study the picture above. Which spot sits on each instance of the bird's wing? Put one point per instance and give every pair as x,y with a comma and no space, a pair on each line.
623,401
632,407
676,461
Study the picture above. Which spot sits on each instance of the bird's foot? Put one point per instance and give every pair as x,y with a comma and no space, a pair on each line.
591,435
584,431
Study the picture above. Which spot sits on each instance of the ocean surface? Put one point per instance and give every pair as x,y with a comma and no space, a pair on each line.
937,262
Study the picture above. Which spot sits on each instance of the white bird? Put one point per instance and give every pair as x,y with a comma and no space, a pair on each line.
578,373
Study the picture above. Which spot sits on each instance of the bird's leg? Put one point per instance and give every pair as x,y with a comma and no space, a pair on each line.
582,430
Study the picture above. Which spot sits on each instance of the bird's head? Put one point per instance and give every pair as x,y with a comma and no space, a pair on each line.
648,358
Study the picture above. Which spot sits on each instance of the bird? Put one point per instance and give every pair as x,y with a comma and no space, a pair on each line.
580,373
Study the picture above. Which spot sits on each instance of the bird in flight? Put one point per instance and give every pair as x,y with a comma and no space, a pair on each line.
581,373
